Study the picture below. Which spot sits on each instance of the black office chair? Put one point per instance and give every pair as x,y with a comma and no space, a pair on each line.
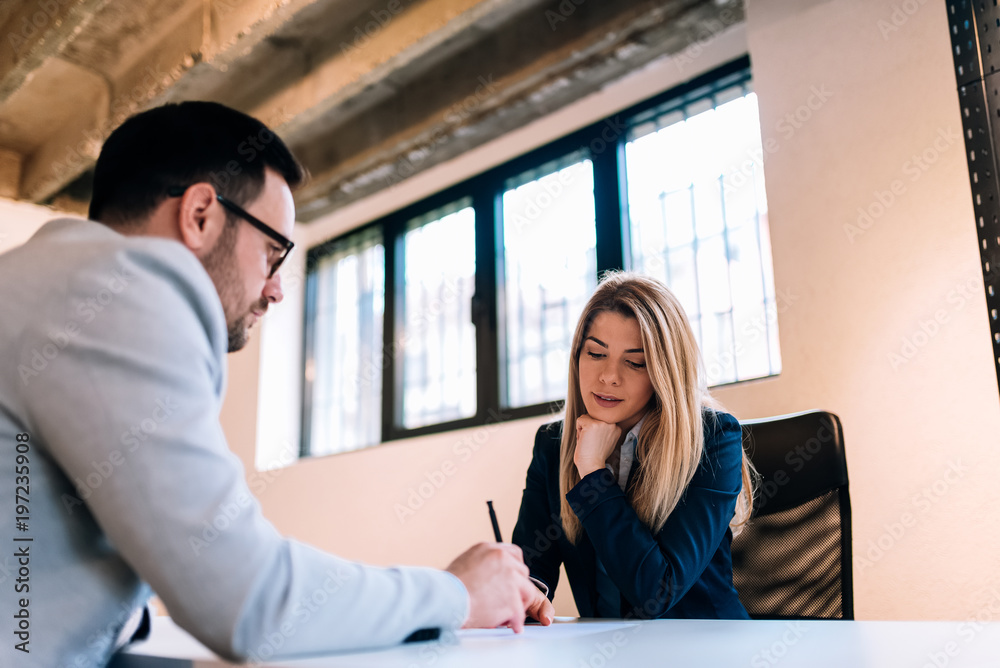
793,559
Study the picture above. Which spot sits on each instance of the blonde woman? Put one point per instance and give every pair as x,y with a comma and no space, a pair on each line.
637,492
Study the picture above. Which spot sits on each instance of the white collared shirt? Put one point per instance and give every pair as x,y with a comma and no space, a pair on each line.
628,453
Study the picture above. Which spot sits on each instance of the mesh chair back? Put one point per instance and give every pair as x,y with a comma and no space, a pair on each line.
793,559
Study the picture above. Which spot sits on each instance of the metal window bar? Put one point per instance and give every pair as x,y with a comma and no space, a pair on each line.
547,305
763,275
694,263
729,275
666,250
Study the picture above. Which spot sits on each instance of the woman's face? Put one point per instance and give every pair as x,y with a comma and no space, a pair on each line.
614,381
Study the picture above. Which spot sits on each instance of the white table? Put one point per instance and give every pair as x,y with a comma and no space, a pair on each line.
681,643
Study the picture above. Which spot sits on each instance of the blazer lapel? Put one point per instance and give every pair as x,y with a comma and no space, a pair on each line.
588,561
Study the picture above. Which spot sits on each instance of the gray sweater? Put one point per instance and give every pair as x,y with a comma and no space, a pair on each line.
116,479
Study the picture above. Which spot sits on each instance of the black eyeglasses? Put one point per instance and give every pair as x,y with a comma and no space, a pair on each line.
286,244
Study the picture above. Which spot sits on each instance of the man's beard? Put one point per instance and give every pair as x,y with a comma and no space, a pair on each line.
220,263
239,334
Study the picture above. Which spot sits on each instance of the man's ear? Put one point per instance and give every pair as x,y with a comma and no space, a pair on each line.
199,222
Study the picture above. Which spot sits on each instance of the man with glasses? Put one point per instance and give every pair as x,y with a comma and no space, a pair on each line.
114,335
277,251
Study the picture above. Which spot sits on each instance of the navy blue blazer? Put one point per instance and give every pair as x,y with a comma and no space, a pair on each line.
683,571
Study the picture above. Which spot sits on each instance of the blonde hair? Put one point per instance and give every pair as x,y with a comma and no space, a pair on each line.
671,439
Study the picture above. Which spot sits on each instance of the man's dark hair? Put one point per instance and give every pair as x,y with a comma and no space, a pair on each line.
181,144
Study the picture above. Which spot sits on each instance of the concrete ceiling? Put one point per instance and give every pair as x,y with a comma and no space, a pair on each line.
366,92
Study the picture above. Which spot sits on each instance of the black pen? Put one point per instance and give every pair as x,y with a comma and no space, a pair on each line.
493,518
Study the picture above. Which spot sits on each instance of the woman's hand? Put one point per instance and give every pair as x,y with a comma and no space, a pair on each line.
595,441
540,609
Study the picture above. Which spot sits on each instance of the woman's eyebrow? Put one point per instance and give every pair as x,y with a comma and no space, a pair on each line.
604,345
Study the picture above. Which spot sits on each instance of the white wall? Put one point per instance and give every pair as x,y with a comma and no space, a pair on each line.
921,429
889,326
19,220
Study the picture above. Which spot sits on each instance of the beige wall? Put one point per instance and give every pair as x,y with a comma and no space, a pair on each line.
19,220
921,428
889,328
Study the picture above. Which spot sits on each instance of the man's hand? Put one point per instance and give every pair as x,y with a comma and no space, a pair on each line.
540,609
595,441
497,581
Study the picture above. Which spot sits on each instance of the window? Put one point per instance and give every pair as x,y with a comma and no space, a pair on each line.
698,222
346,288
549,271
438,338
462,307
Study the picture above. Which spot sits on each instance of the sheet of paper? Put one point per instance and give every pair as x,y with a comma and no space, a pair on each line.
555,630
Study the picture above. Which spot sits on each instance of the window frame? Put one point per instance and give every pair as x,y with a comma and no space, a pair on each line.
604,143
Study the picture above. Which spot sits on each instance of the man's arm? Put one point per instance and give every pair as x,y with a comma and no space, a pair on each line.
141,384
